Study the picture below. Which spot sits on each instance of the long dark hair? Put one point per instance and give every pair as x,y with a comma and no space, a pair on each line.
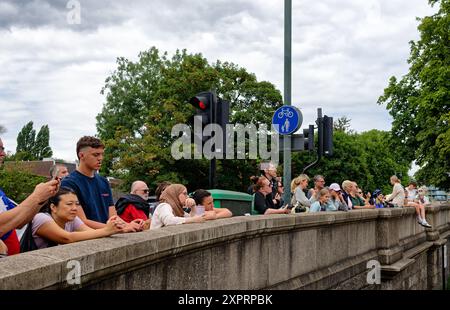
56,199
199,195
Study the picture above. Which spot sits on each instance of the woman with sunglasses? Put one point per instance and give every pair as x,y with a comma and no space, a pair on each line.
262,188
58,223
170,210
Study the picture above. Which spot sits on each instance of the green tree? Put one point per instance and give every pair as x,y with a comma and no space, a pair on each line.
41,147
419,102
342,124
18,184
146,98
25,142
32,147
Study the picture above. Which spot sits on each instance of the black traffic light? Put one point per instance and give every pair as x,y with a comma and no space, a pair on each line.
204,103
308,135
211,110
327,136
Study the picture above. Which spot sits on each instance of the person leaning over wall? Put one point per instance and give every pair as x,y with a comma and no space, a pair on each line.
323,202
204,200
262,188
319,183
134,205
58,223
14,216
298,187
170,210
92,189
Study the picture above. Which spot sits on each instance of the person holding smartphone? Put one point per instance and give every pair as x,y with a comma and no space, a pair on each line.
13,216
204,201
170,210
262,188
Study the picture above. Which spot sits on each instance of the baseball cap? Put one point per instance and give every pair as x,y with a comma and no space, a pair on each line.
335,187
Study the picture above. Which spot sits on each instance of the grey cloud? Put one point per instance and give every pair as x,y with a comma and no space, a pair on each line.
42,13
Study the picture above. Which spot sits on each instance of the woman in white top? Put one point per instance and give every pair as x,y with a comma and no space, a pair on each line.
170,210
398,193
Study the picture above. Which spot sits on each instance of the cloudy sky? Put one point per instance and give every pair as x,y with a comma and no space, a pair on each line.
344,51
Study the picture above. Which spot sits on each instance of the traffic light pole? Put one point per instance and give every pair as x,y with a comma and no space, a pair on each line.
212,173
287,94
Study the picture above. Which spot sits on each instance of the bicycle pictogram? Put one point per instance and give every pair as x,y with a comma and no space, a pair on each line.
285,112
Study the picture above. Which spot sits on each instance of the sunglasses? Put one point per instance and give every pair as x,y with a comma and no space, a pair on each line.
145,191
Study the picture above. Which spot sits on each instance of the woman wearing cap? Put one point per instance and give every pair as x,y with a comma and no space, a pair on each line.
336,197
170,210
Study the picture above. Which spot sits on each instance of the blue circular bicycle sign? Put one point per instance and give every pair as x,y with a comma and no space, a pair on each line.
287,119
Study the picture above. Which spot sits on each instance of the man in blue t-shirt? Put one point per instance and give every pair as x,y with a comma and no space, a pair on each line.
93,190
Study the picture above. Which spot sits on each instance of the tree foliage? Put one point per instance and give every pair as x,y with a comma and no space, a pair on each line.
419,102
146,98
32,147
18,184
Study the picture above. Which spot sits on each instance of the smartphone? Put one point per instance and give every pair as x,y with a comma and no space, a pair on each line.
287,206
55,174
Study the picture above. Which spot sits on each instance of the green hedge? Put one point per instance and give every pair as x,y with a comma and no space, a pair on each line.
18,184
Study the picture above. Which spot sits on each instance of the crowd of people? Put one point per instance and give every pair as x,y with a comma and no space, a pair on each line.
267,195
79,205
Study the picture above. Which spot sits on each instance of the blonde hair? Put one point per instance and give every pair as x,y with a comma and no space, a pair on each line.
296,182
324,191
423,189
395,179
346,184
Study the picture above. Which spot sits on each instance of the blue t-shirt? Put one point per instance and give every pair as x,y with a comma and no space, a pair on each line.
94,194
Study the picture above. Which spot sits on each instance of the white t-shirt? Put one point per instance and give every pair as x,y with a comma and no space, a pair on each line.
163,216
412,194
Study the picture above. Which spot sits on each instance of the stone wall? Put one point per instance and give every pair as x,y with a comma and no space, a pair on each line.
327,250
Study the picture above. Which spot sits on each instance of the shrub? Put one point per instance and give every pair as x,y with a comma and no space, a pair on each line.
18,184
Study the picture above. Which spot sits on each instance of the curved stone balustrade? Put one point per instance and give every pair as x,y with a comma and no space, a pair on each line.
326,250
